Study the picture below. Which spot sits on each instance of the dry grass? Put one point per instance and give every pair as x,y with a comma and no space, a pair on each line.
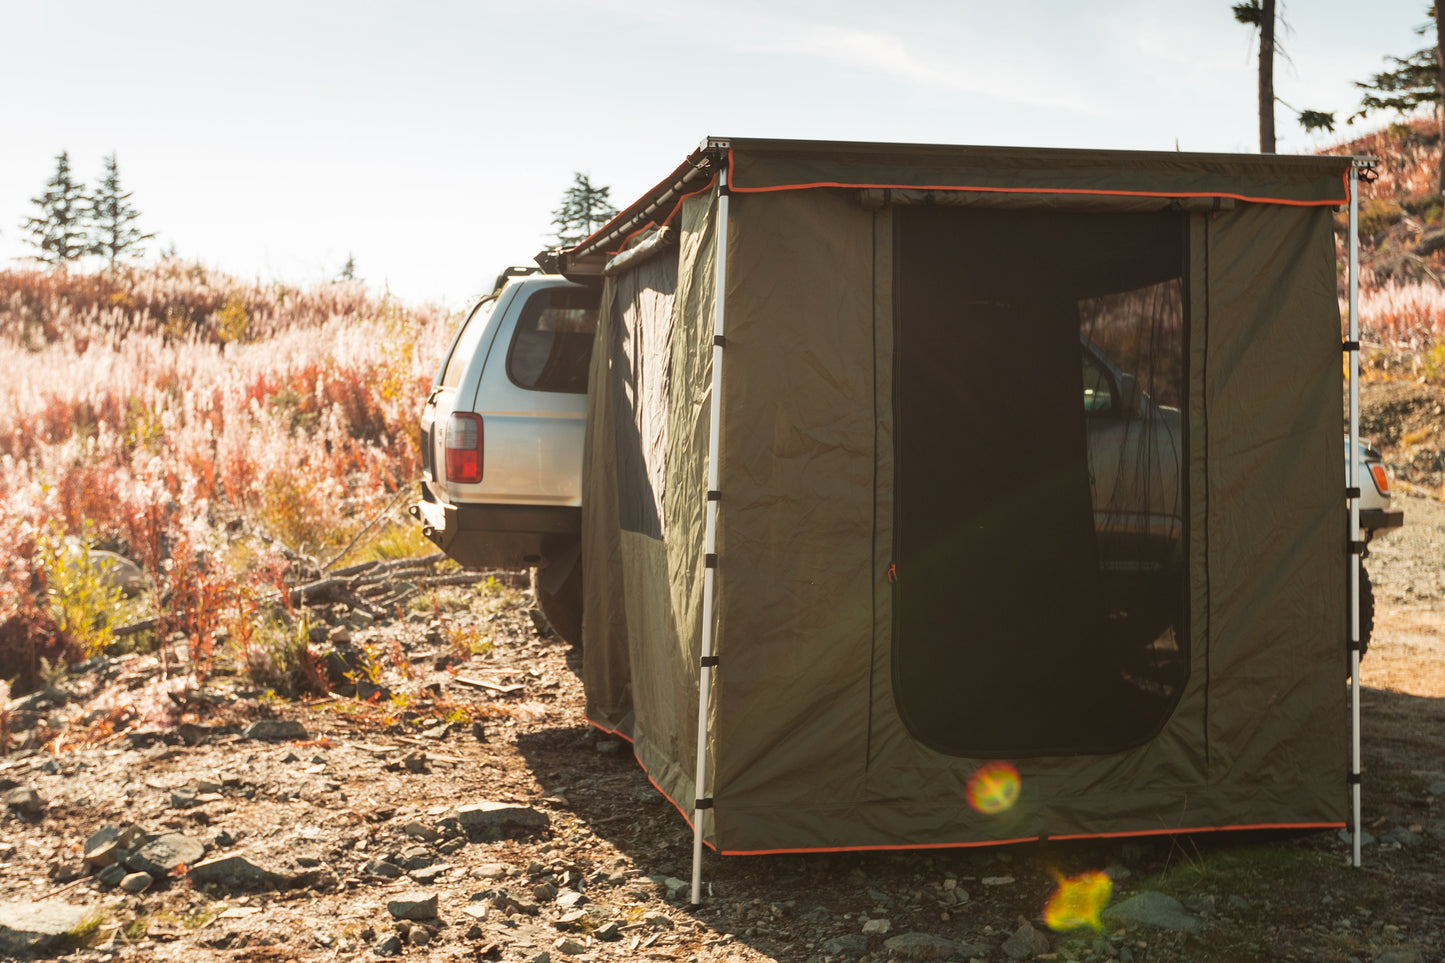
154,407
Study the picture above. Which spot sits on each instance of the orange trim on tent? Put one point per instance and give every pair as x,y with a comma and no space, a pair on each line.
1203,829
973,844
610,732
666,220
680,811
1028,839
733,186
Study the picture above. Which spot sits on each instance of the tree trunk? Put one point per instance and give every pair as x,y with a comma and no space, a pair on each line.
1266,77
1440,87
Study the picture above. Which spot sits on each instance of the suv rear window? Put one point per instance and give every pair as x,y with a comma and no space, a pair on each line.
552,346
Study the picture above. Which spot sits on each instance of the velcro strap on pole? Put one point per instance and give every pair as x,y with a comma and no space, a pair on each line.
716,496
703,803
1353,779
719,341
1350,345
1357,548
710,560
708,662
1352,493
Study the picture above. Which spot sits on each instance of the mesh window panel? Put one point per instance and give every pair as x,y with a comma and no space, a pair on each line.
1038,535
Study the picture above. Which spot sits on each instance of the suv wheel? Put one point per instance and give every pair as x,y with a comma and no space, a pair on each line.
1367,611
564,607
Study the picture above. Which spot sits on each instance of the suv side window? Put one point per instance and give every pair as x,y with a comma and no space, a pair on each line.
552,346
466,343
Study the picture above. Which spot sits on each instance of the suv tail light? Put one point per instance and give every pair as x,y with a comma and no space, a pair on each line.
464,448
1382,480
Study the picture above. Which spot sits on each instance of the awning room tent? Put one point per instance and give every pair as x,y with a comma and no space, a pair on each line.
947,496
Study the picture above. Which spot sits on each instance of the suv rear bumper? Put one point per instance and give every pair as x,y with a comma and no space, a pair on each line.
1375,519
499,536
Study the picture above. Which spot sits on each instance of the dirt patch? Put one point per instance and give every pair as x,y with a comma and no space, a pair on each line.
541,840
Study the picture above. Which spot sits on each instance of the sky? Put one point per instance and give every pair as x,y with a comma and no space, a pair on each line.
431,141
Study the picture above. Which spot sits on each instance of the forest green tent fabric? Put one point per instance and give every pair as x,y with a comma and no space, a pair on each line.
918,572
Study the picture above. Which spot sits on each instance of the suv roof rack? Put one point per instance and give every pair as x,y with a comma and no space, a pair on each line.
513,271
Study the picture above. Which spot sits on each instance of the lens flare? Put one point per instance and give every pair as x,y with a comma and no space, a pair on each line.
993,788
1078,901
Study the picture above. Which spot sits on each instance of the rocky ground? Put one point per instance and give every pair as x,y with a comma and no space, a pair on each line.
467,812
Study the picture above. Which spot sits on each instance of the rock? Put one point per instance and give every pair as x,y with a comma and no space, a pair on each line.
1436,788
1152,909
997,880
413,906
164,853
102,855
851,946
117,572
183,798
608,932
388,945
237,872
382,868
877,927
25,801
655,920
415,761
421,830
571,919
475,932
427,875
420,935
924,946
415,857
111,875
1400,956
136,882
276,730
570,901
570,947
490,871
1236,902
1404,837
544,892
1201,904
1026,943
542,957
495,818
27,928
1365,838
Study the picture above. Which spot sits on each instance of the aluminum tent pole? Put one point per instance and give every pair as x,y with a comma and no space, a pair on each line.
1356,547
709,538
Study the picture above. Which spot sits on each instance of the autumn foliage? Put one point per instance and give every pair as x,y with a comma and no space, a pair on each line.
162,410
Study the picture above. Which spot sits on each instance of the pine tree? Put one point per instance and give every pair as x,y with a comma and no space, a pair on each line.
111,217
584,209
1260,14
1414,82
58,232
348,270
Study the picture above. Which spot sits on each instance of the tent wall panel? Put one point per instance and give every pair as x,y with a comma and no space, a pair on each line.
796,519
805,740
1276,562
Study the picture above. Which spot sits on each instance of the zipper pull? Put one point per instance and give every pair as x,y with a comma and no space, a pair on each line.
892,572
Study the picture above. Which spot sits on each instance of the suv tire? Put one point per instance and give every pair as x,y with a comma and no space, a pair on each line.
563,609
1367,611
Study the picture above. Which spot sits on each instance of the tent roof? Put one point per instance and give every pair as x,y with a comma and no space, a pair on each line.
757,165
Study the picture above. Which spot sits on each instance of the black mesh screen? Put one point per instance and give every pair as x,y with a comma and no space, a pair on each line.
1038,539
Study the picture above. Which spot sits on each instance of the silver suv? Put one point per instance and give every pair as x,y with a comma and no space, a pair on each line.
503,429
502,436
